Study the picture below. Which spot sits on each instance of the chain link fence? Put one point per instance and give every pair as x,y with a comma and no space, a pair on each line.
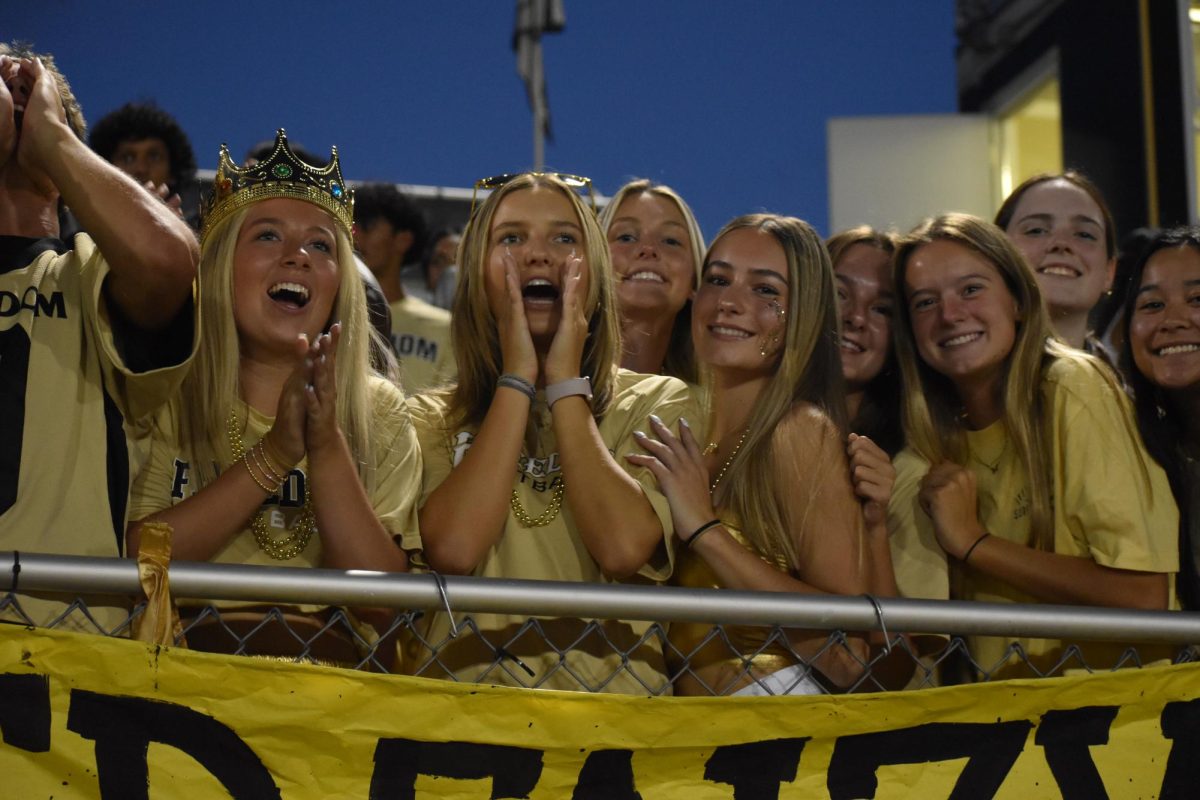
592,637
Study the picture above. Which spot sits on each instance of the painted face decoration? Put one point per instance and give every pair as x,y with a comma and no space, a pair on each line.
739,315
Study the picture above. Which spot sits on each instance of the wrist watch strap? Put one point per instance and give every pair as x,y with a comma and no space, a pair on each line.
571,386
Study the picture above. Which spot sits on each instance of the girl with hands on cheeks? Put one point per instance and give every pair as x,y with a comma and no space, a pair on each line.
763,505
1025,469
284,447
520,481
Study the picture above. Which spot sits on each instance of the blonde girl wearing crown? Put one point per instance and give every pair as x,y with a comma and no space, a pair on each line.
284,447
520,475
765,502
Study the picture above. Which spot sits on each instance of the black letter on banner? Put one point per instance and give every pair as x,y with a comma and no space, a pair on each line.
992,747
124,727
607,775
514,770
25,711
755,769
1181,724
1065,736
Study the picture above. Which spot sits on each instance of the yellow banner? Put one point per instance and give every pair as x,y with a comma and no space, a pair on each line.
88,717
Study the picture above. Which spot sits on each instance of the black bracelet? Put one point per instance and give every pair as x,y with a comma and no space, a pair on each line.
520,384
971,549
703,529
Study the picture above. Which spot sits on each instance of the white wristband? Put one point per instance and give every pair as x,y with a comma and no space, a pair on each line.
571,386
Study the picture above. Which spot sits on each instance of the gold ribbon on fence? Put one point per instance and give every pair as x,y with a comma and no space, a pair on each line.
159,622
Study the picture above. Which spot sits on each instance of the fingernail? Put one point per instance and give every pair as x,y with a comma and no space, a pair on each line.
683,421
639,435
654,418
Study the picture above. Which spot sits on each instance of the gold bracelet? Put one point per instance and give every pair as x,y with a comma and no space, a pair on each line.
273,454
266,464
267,476
253,477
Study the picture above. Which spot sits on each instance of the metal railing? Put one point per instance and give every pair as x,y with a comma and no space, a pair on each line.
942,655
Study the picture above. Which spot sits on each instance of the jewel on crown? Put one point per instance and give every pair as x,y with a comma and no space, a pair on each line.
281,174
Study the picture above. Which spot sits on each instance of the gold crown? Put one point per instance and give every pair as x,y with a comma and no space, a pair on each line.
281,174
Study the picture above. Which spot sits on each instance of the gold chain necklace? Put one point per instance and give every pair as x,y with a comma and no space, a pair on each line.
297,539
725,467
547,516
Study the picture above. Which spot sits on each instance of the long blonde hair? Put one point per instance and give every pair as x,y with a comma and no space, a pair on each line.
933,421
681,357
809,371
475,330
211,388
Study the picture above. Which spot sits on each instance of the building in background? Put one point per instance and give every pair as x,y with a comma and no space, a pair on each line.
1108,87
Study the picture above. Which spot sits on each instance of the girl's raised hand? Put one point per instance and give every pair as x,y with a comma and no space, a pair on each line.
949,496
517,352
287,435
873,476
565,358
321,391
678,465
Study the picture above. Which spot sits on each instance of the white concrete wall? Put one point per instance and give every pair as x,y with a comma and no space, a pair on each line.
891,172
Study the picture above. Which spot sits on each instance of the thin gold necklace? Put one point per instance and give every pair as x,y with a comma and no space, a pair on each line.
725,467
297,539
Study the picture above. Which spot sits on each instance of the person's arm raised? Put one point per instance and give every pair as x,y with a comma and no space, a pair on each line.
205,522
465,516
614,518
948,495
151,253
352,535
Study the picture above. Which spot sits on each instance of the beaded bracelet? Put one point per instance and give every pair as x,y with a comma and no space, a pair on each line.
255,478
278,462
971,549
269,476
703,529
520,384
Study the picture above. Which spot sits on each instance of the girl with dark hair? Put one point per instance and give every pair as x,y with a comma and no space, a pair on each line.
862,269
1161,359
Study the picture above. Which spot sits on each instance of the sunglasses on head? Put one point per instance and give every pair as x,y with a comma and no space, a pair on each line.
496,181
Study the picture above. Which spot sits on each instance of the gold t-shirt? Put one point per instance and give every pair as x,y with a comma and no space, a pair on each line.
421,339
552,552
1104,509
816,500
73,408
168,479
